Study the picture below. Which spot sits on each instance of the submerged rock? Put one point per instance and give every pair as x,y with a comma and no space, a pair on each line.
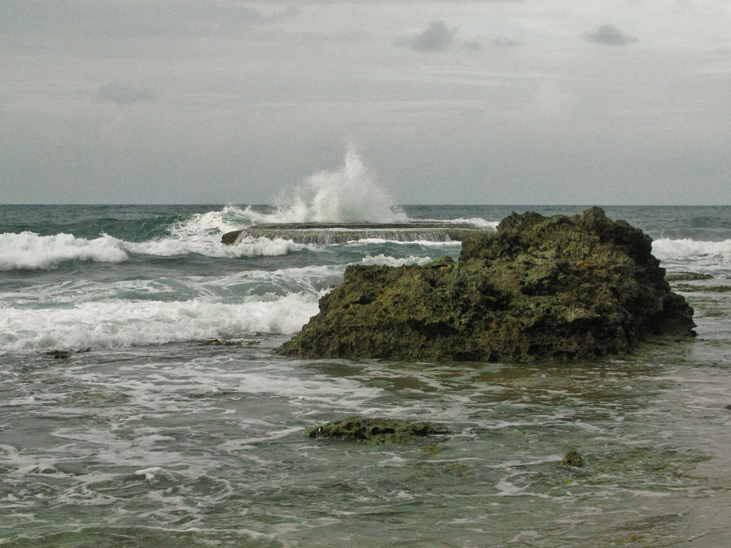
557,288
375,431
572,458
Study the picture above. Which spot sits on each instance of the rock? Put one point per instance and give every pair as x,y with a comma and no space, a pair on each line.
65,354
572,458
230,237
338,233
557,288
59,354
687,276
375,431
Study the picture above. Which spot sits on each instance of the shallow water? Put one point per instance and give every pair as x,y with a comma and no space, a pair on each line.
180,426
187,444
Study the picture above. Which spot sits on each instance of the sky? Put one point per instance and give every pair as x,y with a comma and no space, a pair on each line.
447,102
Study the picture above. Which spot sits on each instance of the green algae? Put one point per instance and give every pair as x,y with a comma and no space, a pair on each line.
557,289
375,431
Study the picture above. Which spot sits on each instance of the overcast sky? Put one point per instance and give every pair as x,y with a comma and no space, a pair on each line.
461,102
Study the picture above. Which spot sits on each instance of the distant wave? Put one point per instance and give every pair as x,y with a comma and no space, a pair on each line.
699,254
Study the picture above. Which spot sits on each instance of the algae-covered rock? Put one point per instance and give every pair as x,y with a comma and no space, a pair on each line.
572,458
687,276
557,288
375,431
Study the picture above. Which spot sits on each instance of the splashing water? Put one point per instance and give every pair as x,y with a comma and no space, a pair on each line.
347,195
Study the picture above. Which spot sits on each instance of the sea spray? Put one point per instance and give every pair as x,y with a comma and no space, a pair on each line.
346,195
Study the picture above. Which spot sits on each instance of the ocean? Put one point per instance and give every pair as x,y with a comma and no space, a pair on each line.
170,421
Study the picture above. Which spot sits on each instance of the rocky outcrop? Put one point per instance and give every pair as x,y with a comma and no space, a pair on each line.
557,288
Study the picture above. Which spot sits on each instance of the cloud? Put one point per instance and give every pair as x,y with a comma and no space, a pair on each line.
124,94
610,35
505,42
436,37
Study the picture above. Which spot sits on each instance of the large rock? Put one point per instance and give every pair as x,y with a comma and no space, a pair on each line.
557,288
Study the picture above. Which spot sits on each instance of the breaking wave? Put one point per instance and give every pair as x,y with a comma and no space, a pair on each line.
120,323
29,251
702,254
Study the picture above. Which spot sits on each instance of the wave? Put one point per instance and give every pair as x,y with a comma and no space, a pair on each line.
121,323
686,253
30,251
212,247
76,314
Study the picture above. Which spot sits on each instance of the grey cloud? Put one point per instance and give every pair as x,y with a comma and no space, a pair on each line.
124,94
472,44
610,35
505,42
436,37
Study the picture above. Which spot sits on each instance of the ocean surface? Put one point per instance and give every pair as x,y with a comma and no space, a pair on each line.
172,422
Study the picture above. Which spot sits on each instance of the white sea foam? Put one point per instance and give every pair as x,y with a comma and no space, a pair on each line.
393,261
477,222
213,223
119,323
423,243
701,254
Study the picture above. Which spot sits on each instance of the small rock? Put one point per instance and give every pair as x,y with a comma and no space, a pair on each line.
219,342
230,237
59,354
572,458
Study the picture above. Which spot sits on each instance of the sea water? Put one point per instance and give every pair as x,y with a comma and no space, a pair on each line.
172,422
